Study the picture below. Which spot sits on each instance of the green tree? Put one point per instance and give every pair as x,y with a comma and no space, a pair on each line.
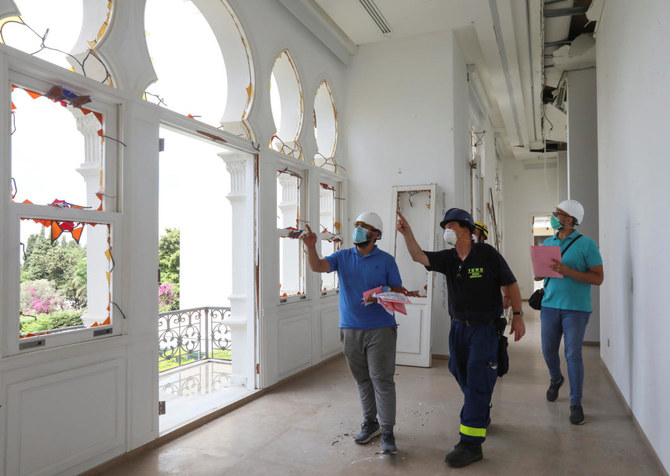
168,256
63,264
168,266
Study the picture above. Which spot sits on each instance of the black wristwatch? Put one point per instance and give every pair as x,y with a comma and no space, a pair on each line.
518,313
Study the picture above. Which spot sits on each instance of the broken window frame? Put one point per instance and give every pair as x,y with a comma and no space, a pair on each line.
292,232
30,74
331,235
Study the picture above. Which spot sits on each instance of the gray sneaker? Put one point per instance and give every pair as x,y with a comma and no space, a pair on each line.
369,429
388,443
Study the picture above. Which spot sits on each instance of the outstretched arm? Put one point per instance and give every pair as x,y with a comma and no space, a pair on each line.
413,247
316,264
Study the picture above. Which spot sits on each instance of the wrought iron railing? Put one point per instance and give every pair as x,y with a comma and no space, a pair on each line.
188,335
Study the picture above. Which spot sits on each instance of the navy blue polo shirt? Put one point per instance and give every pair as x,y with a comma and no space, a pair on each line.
474,284
357,274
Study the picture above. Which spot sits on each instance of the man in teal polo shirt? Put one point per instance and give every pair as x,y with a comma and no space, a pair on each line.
566,306
367,331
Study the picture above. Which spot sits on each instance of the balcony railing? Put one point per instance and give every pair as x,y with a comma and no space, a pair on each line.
189,335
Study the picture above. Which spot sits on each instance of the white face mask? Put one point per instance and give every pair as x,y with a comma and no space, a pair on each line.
450,236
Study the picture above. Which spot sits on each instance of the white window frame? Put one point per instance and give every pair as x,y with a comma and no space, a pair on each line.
25,71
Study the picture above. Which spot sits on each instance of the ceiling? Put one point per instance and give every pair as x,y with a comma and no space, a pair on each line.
405,17
501,40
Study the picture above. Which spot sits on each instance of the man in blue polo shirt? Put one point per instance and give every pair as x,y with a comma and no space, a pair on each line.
367,331
566,305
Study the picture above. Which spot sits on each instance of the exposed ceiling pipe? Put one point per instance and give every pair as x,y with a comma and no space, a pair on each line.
530,67
495,16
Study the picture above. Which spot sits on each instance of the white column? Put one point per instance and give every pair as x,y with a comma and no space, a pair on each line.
96,239
583,167
241,322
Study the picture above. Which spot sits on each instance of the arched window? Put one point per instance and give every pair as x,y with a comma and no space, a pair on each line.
325,128
64,33
204,68
287,106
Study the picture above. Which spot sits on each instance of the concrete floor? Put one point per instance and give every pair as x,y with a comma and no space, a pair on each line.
306,426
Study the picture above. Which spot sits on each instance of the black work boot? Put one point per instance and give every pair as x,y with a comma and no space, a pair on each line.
552,391
369,429
464,453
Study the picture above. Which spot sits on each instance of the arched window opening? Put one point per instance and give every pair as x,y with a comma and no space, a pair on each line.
188,63
64,33
287,106
325,128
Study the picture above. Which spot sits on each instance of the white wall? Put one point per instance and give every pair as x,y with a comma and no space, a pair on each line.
633,58
297,335
528,191
401,109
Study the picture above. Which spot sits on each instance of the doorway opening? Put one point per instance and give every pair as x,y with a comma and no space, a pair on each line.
196,345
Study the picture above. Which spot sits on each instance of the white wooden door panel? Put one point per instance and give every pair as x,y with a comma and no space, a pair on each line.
417,204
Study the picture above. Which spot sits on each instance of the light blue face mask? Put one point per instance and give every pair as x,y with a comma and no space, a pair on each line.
555,223
360,235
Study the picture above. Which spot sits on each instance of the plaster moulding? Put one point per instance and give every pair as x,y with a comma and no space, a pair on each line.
8,9
125,49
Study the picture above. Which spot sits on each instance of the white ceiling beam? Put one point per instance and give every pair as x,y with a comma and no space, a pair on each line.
310,14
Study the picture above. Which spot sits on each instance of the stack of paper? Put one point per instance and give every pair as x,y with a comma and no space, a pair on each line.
388,300
393,302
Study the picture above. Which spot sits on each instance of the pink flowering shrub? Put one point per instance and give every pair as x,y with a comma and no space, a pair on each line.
168,297
40,297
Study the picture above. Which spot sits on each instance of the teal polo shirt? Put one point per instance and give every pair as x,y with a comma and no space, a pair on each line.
568,293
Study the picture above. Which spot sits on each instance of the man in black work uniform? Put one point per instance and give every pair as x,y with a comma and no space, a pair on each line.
475,274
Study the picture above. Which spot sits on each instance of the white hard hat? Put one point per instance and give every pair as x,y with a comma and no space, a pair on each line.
573,208
371,218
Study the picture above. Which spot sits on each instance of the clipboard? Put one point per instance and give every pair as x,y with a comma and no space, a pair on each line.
542,258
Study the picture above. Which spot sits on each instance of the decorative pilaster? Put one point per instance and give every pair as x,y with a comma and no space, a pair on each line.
240,167
96,241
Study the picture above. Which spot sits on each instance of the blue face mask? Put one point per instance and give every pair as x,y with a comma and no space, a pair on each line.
360,235
555,223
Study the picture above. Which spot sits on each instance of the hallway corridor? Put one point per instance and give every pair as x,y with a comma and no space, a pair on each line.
306,426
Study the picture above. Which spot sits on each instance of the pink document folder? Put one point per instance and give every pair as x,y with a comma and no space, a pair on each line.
542,257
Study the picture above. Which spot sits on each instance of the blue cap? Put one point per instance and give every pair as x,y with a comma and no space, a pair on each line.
457,214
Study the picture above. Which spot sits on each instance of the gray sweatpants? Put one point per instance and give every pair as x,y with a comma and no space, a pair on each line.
370,354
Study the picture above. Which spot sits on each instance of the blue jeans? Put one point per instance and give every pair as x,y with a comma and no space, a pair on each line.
572,325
